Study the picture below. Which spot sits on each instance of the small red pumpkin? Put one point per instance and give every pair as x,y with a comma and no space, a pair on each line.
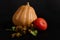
40,23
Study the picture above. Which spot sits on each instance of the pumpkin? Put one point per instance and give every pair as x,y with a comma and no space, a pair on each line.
24,15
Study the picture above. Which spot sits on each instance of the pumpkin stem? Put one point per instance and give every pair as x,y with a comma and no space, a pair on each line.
28,3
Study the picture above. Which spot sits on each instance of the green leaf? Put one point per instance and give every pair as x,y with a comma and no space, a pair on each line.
34,33
13,28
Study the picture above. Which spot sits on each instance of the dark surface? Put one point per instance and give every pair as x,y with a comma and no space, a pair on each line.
48,9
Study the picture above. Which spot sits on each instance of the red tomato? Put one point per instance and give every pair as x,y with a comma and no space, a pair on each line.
40,23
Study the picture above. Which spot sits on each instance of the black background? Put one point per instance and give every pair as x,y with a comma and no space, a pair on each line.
48,9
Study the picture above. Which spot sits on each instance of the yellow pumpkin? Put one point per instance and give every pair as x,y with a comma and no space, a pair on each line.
24,15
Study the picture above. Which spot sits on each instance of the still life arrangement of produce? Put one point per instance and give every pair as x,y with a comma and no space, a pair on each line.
25,19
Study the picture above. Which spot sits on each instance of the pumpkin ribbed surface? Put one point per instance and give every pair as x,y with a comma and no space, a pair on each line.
24,15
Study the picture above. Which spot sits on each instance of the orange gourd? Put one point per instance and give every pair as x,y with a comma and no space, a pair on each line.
24,15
